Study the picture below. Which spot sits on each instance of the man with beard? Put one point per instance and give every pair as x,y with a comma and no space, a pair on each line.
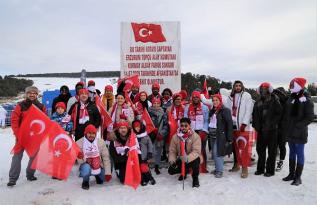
241,105
134,91
63,97
155,92
266,116
192,152
16,120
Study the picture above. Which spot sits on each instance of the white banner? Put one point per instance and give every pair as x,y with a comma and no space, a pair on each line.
152,51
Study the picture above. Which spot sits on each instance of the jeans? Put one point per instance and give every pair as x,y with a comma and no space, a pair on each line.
85,172
297,150
157,154
219,161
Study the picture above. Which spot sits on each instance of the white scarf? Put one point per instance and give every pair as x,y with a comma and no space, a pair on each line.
92,155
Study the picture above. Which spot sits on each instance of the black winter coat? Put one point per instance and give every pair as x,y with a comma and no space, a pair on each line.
296,129
224,129
60,98
266,115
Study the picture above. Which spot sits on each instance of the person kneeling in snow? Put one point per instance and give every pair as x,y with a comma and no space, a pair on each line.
94,158
146,147
192,152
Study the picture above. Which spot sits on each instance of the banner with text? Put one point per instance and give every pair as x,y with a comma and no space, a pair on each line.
152,51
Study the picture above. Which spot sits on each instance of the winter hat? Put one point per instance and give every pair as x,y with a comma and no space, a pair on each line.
218,96
90,129
91,83
83,91
32,89
64,88
61,105
80,83
156,100
183,93
298,84
176,95
109,88
122,123
156,85
266,85
136,123
196,94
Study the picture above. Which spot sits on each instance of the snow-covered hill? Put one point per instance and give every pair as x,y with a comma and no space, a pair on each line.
231,189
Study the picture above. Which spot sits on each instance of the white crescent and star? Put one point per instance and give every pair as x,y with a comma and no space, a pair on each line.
243,140
144,32
41,123
59,137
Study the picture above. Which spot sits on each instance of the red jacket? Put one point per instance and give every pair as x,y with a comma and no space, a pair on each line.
19,113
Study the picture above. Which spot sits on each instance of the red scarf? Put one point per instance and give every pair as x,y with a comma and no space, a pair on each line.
83,113
178,112
194,111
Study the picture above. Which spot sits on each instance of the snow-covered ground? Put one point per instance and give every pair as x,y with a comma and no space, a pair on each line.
231,189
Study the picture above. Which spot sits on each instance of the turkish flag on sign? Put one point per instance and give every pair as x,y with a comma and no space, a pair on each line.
133,173
243,146
148,33
57,153
173,127
149,126
32,131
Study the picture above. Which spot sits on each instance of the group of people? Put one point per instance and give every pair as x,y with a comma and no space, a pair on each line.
277,117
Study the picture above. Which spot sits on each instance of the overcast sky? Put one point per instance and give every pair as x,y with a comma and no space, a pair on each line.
255,41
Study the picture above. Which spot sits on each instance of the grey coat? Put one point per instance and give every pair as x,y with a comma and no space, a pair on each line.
146,146
159,119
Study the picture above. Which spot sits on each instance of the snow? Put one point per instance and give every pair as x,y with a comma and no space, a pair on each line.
230,189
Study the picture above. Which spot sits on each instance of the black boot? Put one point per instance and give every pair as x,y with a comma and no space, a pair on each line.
181,178
144,179
279,166
298,173
157,170
291,174
98,180
151,179
195,181
85,185
31,178
11,183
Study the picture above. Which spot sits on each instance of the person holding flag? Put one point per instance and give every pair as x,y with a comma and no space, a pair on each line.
159,120
94,158
190,157
17,117
141,104
71,101
197,112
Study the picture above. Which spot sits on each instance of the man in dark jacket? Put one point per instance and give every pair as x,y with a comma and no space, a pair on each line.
17,118
84,112
266,116
63,97
299,114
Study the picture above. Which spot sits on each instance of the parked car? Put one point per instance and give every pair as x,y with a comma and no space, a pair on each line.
314,99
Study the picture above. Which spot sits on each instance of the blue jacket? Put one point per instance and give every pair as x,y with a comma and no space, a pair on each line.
62,120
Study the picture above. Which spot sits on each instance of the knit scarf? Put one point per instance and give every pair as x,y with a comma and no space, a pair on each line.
83,113
177,111
297,99
92,155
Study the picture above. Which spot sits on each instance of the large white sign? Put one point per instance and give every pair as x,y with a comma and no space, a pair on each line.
152,51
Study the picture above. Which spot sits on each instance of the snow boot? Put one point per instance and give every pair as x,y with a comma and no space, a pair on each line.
151,179
11,184
85,185
157,169
31,178
195,182
235,168
291,174
180,178
279,165
298,173
244,173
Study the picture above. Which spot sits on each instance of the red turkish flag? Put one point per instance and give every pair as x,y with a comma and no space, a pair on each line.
129,81
148,32
106,119
243,146
33,130
57,153
182,146
147,121
133,172
205,90
172,125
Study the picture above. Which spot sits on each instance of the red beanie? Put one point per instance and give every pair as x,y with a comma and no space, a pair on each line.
136,124
81,83
91,82
300,81
109,88
122,123
156,100
83,91
196,94
60,104
267,85
218,96
90,128
156,85
176,95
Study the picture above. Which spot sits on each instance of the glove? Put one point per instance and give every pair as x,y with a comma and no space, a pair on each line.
242,127
203,135
80,155
184,158
149,156
159,137
108,178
